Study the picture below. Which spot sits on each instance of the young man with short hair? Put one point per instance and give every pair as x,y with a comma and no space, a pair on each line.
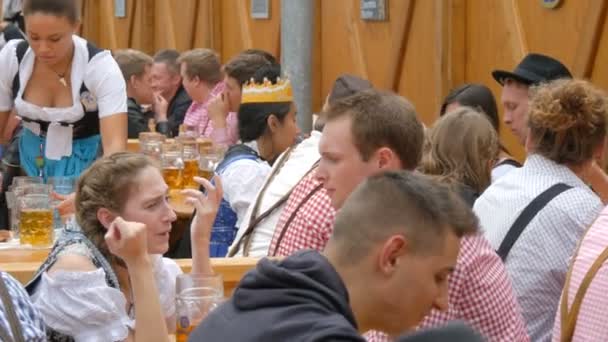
534,69
202,77
372,132
136,69
256,231
397,228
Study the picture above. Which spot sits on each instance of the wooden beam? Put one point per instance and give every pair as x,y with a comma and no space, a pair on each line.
450,49
517,38
106,13
243,21
400,39
589,40
354,39
163,26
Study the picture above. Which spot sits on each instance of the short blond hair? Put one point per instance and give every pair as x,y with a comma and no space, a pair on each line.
132,62
202,63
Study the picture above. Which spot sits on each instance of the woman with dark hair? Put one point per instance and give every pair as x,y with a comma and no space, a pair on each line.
480,97
267,127
70,95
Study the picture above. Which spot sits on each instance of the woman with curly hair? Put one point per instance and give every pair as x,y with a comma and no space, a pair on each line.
534,216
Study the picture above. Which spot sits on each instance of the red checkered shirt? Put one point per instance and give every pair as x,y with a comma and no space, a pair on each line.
311,226
479,290
479,293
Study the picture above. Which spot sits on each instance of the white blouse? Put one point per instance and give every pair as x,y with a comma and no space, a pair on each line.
84,306
101,75
241,181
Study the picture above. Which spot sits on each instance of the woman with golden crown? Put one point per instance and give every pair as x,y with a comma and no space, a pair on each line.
267,127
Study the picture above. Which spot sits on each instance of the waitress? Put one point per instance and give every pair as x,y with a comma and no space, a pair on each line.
70,96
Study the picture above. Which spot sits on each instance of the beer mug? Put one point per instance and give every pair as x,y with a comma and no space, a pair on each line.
150,144
208,161
22,180
15,193
61,186
172,165
195,296
189,131
35,220
190,153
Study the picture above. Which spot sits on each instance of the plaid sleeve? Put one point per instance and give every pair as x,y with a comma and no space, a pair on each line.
312,224
193,115
30,318
479,293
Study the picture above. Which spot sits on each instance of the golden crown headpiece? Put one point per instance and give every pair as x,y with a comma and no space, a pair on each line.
267,92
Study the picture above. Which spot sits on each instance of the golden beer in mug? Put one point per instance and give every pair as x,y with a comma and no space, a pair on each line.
173,177
196,296
207,174
36,220
190,171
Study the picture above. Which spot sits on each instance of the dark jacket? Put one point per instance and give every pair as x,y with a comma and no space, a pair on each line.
138,120
177,110
453,332
301,298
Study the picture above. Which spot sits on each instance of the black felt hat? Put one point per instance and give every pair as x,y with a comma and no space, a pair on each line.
533,69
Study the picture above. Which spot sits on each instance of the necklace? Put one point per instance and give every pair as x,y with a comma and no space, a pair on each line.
62,75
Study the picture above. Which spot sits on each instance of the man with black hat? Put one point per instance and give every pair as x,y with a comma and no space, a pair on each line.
532,70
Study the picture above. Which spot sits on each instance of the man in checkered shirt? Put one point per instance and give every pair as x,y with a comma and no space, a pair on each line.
29,317
362,138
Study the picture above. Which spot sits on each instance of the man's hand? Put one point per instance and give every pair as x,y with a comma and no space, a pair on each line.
217,109
160,108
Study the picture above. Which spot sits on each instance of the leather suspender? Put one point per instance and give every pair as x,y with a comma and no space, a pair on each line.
569,317
293,216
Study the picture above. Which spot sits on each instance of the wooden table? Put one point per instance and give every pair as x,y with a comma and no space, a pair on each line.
22,264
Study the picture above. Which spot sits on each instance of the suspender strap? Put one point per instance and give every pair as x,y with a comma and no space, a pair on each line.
293,216
511,162
255,220
527,215
568,318
11,315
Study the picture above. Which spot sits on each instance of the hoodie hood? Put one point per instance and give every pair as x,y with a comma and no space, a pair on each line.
303,278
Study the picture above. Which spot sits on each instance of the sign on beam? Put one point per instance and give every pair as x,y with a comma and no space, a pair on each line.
374,10
260,9
120,8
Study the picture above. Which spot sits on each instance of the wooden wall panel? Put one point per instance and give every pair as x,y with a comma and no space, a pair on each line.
425,48
420,68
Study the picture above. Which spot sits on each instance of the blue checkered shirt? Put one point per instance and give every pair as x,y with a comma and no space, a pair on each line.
31,320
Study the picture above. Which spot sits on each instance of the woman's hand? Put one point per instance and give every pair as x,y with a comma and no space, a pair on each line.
127,240
206,205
